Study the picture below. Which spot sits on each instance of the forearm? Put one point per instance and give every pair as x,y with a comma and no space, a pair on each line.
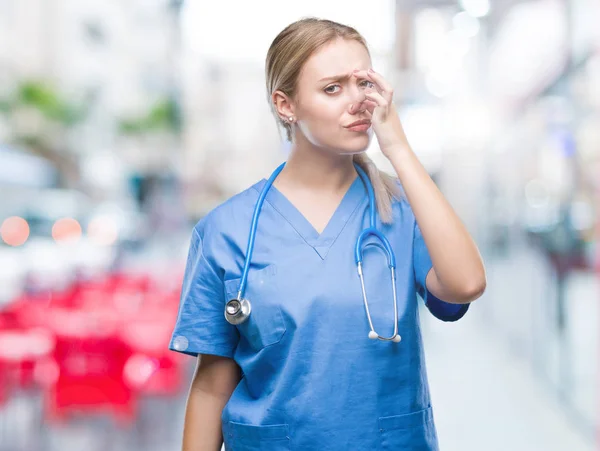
202,425
455,257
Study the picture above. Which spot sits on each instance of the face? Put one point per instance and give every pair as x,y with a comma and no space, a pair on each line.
326,90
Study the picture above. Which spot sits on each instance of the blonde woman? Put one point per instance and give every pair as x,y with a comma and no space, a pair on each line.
298,349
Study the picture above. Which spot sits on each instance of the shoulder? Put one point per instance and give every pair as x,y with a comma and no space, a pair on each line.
227,214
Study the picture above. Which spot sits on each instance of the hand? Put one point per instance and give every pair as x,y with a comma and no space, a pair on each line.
384,117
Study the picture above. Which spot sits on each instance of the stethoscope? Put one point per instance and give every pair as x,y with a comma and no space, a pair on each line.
238,310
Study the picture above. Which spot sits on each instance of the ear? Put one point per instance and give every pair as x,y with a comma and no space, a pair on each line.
283,105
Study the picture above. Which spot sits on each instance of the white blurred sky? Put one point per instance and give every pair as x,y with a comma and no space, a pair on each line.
243,30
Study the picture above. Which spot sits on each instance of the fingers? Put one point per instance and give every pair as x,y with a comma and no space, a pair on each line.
377,98
384,88
370,105
363,105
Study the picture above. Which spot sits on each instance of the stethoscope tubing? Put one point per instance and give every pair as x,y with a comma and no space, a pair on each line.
370,231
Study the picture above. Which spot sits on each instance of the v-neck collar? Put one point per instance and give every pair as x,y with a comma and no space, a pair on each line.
320,242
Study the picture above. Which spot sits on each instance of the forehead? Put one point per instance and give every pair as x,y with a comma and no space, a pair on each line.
335,58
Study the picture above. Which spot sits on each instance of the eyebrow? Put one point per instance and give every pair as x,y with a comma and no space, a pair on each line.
336,77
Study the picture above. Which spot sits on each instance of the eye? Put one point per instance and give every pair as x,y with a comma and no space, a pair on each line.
328,89
369,83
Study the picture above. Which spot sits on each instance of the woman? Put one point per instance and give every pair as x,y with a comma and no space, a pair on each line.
300,373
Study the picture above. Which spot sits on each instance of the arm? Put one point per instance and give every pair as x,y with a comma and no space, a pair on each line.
458,275
214,380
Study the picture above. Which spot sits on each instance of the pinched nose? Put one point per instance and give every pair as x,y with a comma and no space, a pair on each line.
358,106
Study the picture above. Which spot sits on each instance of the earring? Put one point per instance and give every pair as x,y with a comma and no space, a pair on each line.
291,118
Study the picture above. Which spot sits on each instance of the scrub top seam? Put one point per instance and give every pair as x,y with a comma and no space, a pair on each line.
286,219
203,257
358,204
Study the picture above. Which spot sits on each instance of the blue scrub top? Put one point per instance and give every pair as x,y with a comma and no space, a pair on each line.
312,379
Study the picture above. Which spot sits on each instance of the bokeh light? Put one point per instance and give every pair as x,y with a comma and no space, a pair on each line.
14,231
102,230
66,230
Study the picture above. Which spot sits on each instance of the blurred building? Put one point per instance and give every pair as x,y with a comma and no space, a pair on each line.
116,59
230,134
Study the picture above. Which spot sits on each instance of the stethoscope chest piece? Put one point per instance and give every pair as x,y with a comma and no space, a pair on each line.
236,311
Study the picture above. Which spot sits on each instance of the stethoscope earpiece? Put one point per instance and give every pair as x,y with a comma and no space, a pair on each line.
374,336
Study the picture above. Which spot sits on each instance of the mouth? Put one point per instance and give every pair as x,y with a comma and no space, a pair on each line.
359,126
361,122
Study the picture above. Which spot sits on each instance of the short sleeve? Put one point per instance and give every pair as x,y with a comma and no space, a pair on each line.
422,264
201,327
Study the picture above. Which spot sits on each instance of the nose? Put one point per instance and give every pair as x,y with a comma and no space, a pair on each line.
358,98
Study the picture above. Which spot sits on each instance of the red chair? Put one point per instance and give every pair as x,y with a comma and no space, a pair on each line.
108,345
23,342
90,360
4,393
153,369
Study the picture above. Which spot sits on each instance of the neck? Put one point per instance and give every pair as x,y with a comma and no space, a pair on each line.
317,169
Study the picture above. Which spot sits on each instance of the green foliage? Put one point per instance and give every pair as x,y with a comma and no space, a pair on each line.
163,116
45,99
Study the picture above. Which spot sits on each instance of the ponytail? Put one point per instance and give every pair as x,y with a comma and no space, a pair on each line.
385,186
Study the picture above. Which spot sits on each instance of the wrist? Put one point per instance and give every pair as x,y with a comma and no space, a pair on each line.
404,161
397,151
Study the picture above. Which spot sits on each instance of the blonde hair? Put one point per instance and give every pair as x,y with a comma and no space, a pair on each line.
292,47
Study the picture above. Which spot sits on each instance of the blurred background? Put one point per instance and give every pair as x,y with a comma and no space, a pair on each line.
123,122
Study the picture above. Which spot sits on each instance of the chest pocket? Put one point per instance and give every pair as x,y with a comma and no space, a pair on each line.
265,326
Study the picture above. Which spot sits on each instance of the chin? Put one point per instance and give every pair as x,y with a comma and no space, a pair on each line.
356,145
345,145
